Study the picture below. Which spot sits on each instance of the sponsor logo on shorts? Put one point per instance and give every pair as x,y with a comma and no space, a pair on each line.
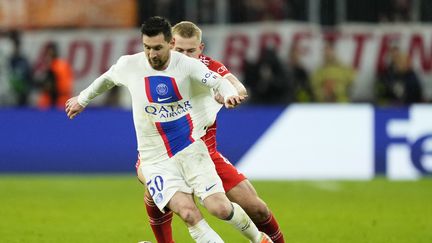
210,187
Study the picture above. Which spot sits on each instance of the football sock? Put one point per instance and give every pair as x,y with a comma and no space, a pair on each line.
203,233
271,228
159,222
241,221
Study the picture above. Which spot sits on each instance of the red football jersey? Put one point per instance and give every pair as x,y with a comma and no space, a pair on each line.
214,65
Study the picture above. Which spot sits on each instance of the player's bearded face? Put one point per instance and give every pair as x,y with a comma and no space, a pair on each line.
157,51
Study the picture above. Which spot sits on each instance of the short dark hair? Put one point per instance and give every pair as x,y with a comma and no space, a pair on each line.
156,25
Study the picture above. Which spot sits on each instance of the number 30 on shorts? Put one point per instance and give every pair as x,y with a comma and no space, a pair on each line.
155,185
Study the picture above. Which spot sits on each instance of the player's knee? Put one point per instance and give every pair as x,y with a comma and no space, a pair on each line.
257,210
221,210
189,214
218,205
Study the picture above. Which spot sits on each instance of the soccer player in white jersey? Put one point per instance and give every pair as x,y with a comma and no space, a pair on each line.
172,105
187,40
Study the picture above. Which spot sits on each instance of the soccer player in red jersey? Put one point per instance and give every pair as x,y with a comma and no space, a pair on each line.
238,189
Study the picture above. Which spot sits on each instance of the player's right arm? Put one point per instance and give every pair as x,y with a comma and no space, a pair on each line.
105,82
76,105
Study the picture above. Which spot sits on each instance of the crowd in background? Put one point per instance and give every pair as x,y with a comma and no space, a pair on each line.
45,85
268,79
329,12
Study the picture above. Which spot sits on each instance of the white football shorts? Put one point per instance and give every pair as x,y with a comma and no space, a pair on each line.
190,171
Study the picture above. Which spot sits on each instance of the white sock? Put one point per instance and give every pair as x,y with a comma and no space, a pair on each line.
241,221
203,233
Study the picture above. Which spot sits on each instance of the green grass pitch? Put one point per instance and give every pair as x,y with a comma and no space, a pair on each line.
109,208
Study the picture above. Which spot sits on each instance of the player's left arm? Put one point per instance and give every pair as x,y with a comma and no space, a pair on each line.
241,89
222,70
198,71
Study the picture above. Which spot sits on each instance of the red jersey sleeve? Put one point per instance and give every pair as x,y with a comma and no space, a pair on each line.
214,65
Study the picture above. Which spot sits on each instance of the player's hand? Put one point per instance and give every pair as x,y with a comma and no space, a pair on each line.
234,101
219,98
73,108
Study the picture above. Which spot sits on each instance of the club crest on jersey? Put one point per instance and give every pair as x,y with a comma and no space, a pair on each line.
162,89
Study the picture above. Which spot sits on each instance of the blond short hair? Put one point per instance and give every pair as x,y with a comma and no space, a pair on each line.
187,29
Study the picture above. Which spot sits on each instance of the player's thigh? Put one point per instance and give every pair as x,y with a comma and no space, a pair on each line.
181,200
245,195
184,205
242,191
139,173
140,176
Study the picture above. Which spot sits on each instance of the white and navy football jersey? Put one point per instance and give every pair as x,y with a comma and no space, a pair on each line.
171,108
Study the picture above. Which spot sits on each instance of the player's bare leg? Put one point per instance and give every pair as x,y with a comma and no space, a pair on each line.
218,205
245,195
161,222
184,206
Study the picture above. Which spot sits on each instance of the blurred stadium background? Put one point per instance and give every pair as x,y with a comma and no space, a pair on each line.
336,134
